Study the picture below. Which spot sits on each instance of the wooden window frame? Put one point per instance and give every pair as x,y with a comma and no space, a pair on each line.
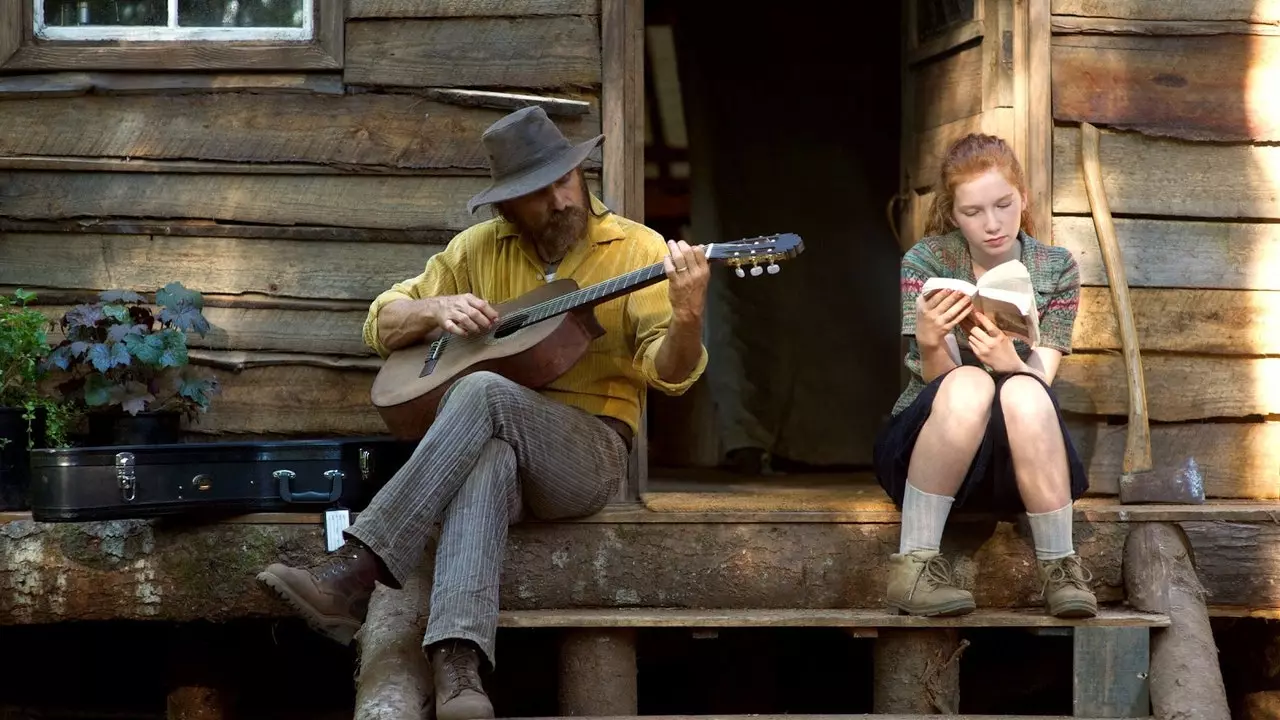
954,36
21,51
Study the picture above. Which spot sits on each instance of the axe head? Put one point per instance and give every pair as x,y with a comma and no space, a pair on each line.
1185,485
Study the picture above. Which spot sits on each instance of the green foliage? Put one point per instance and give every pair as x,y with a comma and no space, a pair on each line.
24,344
119,352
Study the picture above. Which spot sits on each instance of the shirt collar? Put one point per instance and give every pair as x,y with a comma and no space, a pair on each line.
602,224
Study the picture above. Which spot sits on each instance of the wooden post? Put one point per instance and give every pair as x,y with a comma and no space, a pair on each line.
393,677
918,671
1160,577
1111,669
598,672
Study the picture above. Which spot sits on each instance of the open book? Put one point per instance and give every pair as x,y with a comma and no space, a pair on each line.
1004,294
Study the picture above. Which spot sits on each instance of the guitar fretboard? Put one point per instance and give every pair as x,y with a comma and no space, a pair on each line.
591,295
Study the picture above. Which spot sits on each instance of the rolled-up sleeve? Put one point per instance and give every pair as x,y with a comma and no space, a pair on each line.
445,274
649,313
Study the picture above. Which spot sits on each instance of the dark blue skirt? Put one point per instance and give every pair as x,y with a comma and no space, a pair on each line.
990,484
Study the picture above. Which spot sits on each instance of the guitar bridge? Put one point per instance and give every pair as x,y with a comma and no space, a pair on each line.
430,364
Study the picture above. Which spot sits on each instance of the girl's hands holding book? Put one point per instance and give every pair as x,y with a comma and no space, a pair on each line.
938,314
993,347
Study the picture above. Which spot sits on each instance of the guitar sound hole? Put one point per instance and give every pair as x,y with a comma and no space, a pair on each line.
508,326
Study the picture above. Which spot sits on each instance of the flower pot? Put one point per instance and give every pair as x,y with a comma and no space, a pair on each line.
145,428
15,461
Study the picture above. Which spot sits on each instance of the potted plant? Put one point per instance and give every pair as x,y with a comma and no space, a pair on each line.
126,365
28,418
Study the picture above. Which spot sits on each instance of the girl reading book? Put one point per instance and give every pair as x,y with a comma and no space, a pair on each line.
978,424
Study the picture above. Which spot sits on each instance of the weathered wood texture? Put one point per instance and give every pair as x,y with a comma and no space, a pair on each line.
1225,322
1160,573
337,270
1259,11
917,671
529,52
393,676
1218,88
841,618
75,84
1158,176
349,201
949,88
291,399
1178,387
1110,671
470,8
1238,460
133,569
598,673
354,131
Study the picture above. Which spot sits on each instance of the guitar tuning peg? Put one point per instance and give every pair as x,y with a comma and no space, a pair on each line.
756,271
773,269
738,271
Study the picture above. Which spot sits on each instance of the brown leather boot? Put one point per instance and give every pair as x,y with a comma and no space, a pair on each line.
1066,588
333,597
920,584
459,695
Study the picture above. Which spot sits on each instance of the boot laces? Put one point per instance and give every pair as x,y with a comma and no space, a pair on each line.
459,662
1069,571
937,572
334,569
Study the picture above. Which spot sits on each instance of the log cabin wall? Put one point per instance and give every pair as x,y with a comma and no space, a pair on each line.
1185,93
290,199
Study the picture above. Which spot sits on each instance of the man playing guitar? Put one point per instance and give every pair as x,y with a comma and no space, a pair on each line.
496,449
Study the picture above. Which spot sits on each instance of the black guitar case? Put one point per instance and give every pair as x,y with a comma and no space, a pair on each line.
142,481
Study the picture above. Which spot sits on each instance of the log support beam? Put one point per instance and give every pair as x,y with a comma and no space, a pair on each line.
394,679
1160,576
598,672
917,671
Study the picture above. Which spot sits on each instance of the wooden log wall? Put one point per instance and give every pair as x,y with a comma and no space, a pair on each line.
289,200
1185,95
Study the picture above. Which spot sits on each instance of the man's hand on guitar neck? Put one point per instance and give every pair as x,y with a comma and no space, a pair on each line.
687,277
407,322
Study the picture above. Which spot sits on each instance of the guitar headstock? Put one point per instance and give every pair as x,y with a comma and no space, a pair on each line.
765,250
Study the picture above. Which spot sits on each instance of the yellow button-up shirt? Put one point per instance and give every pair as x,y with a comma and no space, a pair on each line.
493,261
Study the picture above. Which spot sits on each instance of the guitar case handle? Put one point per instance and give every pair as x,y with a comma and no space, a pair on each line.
286,478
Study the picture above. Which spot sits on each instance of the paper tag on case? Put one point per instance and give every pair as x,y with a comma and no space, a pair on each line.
335,521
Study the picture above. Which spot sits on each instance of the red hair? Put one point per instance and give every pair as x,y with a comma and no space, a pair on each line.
967,158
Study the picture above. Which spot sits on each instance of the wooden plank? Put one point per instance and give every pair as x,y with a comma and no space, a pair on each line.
932,145
392,131
1039,159
1258,11
1194,88
1227,255
1072,25
208,228
351,271
958,36
845,618
437,202
169,56
1179,387
291,400
554,106
1155,176
1225,322
1110,669
1236,459
70,84
468,8
949,88
271,330
534,52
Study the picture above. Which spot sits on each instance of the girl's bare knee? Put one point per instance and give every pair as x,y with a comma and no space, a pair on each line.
1024,402
966,394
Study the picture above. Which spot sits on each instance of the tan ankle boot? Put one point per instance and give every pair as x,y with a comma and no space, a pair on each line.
920,584
459,694
1066,588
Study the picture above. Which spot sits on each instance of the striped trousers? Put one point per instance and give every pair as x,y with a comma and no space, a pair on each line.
495,449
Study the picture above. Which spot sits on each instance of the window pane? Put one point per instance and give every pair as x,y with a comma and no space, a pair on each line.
240,13
104,12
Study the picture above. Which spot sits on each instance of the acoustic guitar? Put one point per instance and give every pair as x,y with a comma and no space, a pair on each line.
538,337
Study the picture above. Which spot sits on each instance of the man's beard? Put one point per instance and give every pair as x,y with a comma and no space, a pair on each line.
561,230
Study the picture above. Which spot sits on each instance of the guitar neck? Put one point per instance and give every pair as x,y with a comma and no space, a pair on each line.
595,294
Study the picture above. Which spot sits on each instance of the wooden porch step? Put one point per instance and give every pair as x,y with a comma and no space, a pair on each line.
832,717
844,618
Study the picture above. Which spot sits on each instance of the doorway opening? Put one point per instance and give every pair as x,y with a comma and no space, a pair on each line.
771,122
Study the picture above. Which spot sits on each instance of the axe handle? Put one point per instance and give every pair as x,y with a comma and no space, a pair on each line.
1137,446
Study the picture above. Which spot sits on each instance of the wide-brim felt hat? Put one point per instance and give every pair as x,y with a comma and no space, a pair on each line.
527,152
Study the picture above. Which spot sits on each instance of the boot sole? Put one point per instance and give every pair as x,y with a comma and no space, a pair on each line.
1074,610
948,610
339,629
